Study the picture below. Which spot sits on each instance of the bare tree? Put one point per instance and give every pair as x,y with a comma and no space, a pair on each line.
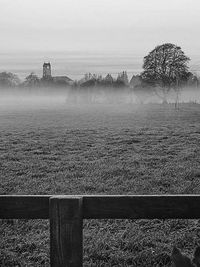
163,67
8,79
32,80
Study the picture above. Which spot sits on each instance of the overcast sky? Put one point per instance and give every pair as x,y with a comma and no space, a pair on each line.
88,25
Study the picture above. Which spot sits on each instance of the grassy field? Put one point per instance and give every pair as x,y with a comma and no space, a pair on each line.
57,149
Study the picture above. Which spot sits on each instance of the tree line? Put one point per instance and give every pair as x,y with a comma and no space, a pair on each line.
165,68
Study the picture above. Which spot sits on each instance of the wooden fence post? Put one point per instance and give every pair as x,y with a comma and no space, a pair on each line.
66,231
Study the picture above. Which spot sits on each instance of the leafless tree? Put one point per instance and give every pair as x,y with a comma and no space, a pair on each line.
163,67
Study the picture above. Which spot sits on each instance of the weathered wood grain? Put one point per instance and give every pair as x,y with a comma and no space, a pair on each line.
66,215
142,207
24,207
102,207
66,226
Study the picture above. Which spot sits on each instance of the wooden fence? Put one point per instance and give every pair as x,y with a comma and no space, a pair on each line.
66,214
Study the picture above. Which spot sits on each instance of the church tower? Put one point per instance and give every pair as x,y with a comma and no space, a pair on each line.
46,70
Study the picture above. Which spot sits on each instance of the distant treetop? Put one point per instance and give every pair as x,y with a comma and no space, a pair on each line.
165,65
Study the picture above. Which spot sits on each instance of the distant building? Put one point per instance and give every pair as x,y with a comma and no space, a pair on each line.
58,80
62,80
46,70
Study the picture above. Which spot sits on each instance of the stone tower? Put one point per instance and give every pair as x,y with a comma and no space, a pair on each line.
46,70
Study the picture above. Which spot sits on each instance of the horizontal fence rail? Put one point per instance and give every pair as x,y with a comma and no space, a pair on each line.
105,207
66,214
24,207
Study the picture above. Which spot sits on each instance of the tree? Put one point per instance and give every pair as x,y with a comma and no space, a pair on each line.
122,79
164,67
8,79
188,80
32,80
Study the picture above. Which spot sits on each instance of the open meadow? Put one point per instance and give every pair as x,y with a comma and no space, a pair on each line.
49,147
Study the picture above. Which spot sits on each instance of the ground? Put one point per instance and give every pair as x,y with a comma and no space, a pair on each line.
124,149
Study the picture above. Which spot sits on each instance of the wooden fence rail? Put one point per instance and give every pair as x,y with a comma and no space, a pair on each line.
66,214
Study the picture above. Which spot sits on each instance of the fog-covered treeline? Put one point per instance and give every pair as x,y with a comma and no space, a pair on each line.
8,79
165,72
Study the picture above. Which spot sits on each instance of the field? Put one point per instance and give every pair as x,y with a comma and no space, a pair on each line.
52,148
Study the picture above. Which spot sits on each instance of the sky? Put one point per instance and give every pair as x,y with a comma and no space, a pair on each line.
135,26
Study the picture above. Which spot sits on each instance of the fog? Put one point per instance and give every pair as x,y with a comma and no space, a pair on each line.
88,97
30,99
130,96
